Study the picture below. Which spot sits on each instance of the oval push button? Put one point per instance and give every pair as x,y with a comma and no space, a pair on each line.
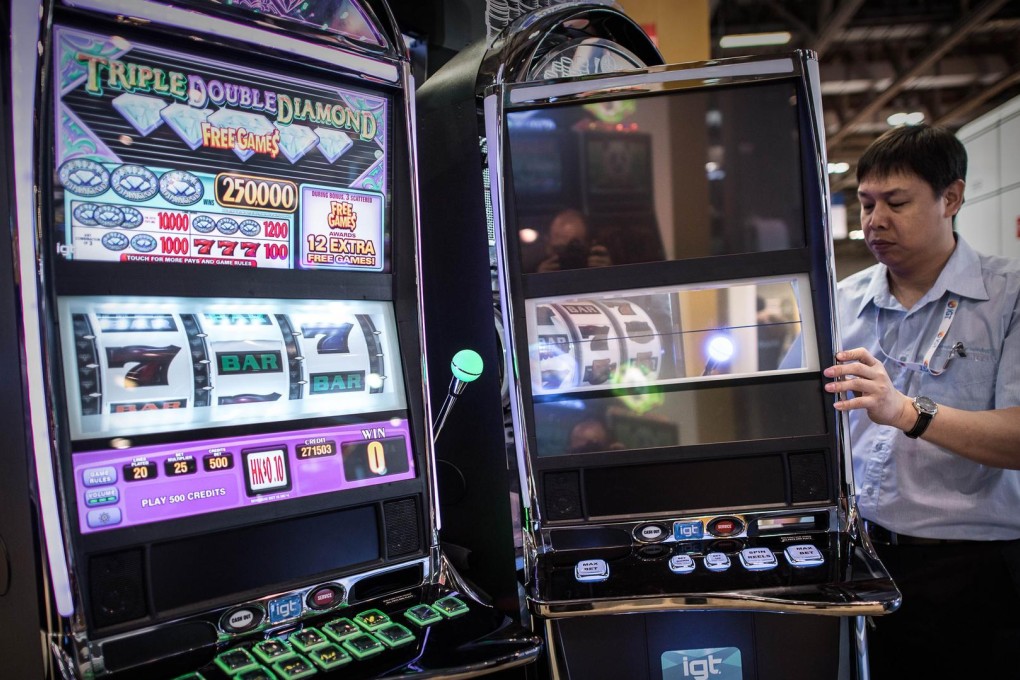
649,533
725,526
241,619
325,597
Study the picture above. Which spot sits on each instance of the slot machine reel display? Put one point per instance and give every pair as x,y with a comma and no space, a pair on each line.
682,460
229,408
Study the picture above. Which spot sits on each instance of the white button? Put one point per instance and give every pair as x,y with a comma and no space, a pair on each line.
804,555
681,564
717,561
757,559
587,571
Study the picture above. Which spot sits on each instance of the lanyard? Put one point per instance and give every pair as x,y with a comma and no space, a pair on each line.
924,366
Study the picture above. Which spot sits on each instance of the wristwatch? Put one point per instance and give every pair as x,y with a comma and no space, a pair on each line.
926,410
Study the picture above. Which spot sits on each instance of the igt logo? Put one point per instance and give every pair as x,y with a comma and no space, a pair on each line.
717,663
701,669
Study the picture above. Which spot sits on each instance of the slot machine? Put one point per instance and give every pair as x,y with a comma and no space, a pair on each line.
219,292
689,508
462,298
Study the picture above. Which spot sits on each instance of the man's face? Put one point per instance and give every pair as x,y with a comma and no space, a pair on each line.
904,222
565,229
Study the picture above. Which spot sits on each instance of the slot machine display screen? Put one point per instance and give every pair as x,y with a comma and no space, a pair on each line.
666,176
166,367
640,369
162,156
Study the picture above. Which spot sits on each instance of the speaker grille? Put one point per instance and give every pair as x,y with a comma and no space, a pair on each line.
808,477
402,527
563,495
117,587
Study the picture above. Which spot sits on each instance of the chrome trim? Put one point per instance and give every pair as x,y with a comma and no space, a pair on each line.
26,50
493,113
410,112
664,75
190,20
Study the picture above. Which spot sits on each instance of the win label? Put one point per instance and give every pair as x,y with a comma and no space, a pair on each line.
716,663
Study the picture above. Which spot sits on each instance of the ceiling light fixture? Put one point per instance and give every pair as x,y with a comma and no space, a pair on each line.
754,39
904,118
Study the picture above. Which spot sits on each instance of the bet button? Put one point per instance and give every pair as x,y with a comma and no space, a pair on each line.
587,571
241,619
325,597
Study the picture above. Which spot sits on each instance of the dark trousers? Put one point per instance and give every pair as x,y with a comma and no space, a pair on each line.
960,616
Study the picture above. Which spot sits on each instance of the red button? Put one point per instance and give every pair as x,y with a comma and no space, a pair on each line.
325,597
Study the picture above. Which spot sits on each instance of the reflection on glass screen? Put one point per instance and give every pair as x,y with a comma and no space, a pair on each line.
689,173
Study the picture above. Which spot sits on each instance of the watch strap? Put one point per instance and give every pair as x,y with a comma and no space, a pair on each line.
924,418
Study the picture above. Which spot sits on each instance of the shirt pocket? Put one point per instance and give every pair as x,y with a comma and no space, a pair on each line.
968,382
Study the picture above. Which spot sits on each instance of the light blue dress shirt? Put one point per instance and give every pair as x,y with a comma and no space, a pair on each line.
909,485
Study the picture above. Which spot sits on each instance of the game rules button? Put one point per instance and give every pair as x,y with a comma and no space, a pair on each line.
241,619
100,476
587,571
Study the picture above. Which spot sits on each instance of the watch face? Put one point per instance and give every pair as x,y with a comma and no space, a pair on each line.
925,405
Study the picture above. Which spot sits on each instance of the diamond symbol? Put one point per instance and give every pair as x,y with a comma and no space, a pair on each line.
296,141
141,111
253,123
333,143
186,121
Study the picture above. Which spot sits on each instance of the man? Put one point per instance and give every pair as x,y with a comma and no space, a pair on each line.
933,394
569,246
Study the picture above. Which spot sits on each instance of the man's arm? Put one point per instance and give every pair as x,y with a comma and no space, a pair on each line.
987,437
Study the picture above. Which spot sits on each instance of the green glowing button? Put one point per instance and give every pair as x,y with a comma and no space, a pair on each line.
294,667
341,629
235,661
450,606
257,673
329,657
394,635
308,639
422,615
371,619
272,650
363,646
190,676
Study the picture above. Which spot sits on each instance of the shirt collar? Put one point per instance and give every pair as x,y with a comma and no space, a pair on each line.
960,275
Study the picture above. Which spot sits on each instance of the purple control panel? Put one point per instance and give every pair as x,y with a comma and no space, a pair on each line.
119,488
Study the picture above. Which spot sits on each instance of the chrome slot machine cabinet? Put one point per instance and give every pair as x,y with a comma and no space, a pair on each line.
459,259
229,419
667,290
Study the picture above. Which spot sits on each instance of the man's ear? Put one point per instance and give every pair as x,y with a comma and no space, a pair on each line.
953,196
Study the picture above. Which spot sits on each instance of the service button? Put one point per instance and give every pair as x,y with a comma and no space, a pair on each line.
241,619
725,526
325,597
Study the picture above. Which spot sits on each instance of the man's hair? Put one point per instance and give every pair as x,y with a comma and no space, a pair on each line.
932,153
